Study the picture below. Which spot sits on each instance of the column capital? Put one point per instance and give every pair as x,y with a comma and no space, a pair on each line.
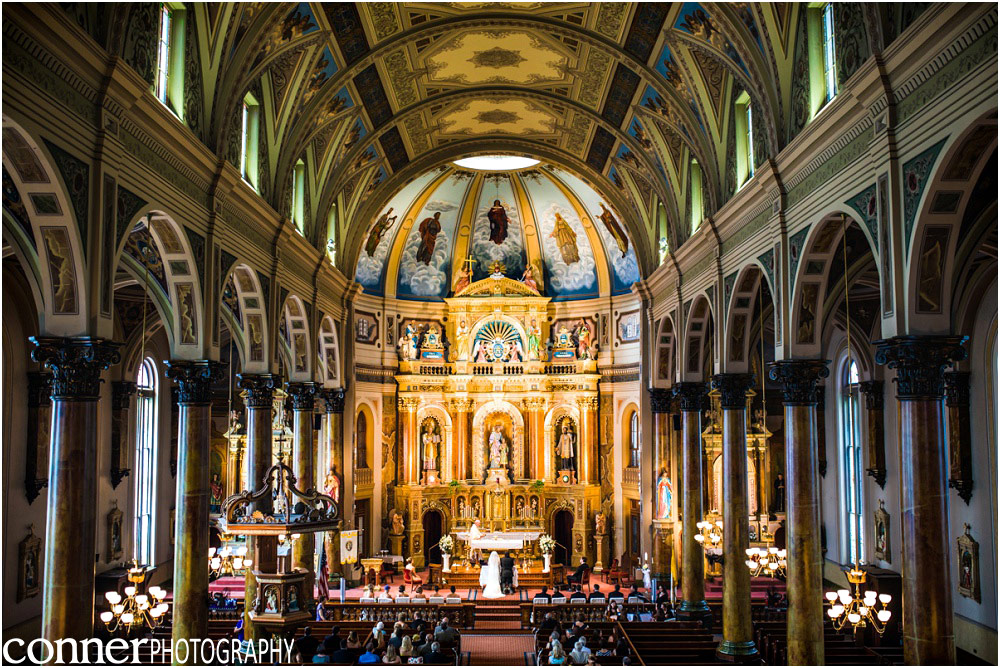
39,389
587,403
872,389
121,393
303,395
334,399
732,389
919,362
76,364
799,380
258,389
408,404
659,399
194,379
461,405
534,404
956,388
690,394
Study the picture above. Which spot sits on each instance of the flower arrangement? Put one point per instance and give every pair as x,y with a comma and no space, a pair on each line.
447,544
547,544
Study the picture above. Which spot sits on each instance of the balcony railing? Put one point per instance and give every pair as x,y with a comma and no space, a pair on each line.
631,477
363,477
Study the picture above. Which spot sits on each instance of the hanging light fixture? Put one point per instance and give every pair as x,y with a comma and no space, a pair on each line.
769,562
710,536
227,562
135,609
847,606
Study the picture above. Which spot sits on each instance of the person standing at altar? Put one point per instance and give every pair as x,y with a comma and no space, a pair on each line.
475,533
507,573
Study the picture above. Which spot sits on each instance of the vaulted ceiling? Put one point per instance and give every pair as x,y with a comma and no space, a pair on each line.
370,95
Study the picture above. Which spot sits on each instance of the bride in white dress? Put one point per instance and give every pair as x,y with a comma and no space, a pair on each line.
489,577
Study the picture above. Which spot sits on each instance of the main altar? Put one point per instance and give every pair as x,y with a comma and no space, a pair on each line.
498,411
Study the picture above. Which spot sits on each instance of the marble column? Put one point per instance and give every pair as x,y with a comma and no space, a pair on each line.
258,397
737,630
677,487
411,439
535,410
799,380
333,443
303,397
587,441
191,535
460,439
68,569
919,363
693,604
659,403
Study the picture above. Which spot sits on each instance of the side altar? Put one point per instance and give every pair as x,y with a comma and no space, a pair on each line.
498,419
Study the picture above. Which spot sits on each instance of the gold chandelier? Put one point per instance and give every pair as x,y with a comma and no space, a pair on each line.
227,562
710,536
135,610
847,607
770,562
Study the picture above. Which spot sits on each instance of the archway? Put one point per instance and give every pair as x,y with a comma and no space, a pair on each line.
562,532
433,531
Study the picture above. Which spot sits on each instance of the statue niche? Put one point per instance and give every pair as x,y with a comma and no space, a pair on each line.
565,435
430,450
498,452
497,443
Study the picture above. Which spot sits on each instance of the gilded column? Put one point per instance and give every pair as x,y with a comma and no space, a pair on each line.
194,406
737,630
303,397
799,380
535,410
919,362
68,582
587,442
659,402
258,397
460,439
693,604
334,445
411,443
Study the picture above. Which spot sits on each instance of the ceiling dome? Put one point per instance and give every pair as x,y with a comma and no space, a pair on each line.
547,218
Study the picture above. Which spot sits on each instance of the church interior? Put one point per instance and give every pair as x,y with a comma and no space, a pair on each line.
500,333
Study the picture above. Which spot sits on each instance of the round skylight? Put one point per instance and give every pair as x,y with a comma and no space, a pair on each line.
496,163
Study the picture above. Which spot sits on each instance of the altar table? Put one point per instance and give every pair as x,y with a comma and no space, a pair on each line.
500,540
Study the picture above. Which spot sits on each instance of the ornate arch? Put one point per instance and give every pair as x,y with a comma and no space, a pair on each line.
479,425
295,321
247,303
329,353
552,418
742,289
664,362
698,335
439,413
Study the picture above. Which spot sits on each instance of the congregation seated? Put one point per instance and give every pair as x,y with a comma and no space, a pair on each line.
453,596
616,593
410,576
578,594
635,596
596,596
305,647
436,657
581,653
543,596
447,635
558,596
550,623
369,657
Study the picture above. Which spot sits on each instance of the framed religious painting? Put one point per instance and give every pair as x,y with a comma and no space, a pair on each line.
968,566
29,566
882,549
114,534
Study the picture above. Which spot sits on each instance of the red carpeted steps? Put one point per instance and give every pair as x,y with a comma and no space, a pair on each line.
498,617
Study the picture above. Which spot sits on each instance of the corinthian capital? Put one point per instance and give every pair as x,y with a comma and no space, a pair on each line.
303,395
194,380
919,362
76,364
732,389
258,389
799,380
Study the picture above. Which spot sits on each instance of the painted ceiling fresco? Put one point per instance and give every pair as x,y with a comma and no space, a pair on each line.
370,95
446,219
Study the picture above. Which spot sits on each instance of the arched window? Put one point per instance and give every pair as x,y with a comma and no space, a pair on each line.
145,460
361,458
852,471
633,439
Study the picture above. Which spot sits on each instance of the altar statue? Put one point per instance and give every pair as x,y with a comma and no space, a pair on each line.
332,484
430,443
482,353
461,341
583,339
566,448
516,351
534,340
498,448
408,343
664,496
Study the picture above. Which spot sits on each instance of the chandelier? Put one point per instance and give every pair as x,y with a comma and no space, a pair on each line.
847,607
227,562
135,610
710,536
766,561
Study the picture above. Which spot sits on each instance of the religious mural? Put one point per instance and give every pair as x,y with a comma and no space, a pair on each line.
569,258
496,232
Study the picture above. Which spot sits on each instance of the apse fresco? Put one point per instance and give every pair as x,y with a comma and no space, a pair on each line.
625,266
571,268
484,250
425,262
372,259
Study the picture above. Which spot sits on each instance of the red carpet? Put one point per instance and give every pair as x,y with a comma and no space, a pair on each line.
497,650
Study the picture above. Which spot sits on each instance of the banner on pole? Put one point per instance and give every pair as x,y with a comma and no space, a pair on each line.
349,547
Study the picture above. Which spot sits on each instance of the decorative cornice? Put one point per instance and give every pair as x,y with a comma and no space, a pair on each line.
121,394
691,395
194,380
76,364
732,389
799,380
302,395
872,389
919,362
334,399
258,389
659,400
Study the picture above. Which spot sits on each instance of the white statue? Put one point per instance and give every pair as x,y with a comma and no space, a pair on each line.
498,447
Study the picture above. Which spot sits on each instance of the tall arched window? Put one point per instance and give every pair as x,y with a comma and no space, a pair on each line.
145,460
633,439
361,458
852,472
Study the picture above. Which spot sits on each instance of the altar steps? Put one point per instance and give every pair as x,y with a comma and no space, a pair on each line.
498,617
470,579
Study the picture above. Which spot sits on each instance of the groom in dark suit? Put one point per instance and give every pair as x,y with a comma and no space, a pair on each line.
507,573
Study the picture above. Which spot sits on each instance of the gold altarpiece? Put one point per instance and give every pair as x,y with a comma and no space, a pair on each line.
483,423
